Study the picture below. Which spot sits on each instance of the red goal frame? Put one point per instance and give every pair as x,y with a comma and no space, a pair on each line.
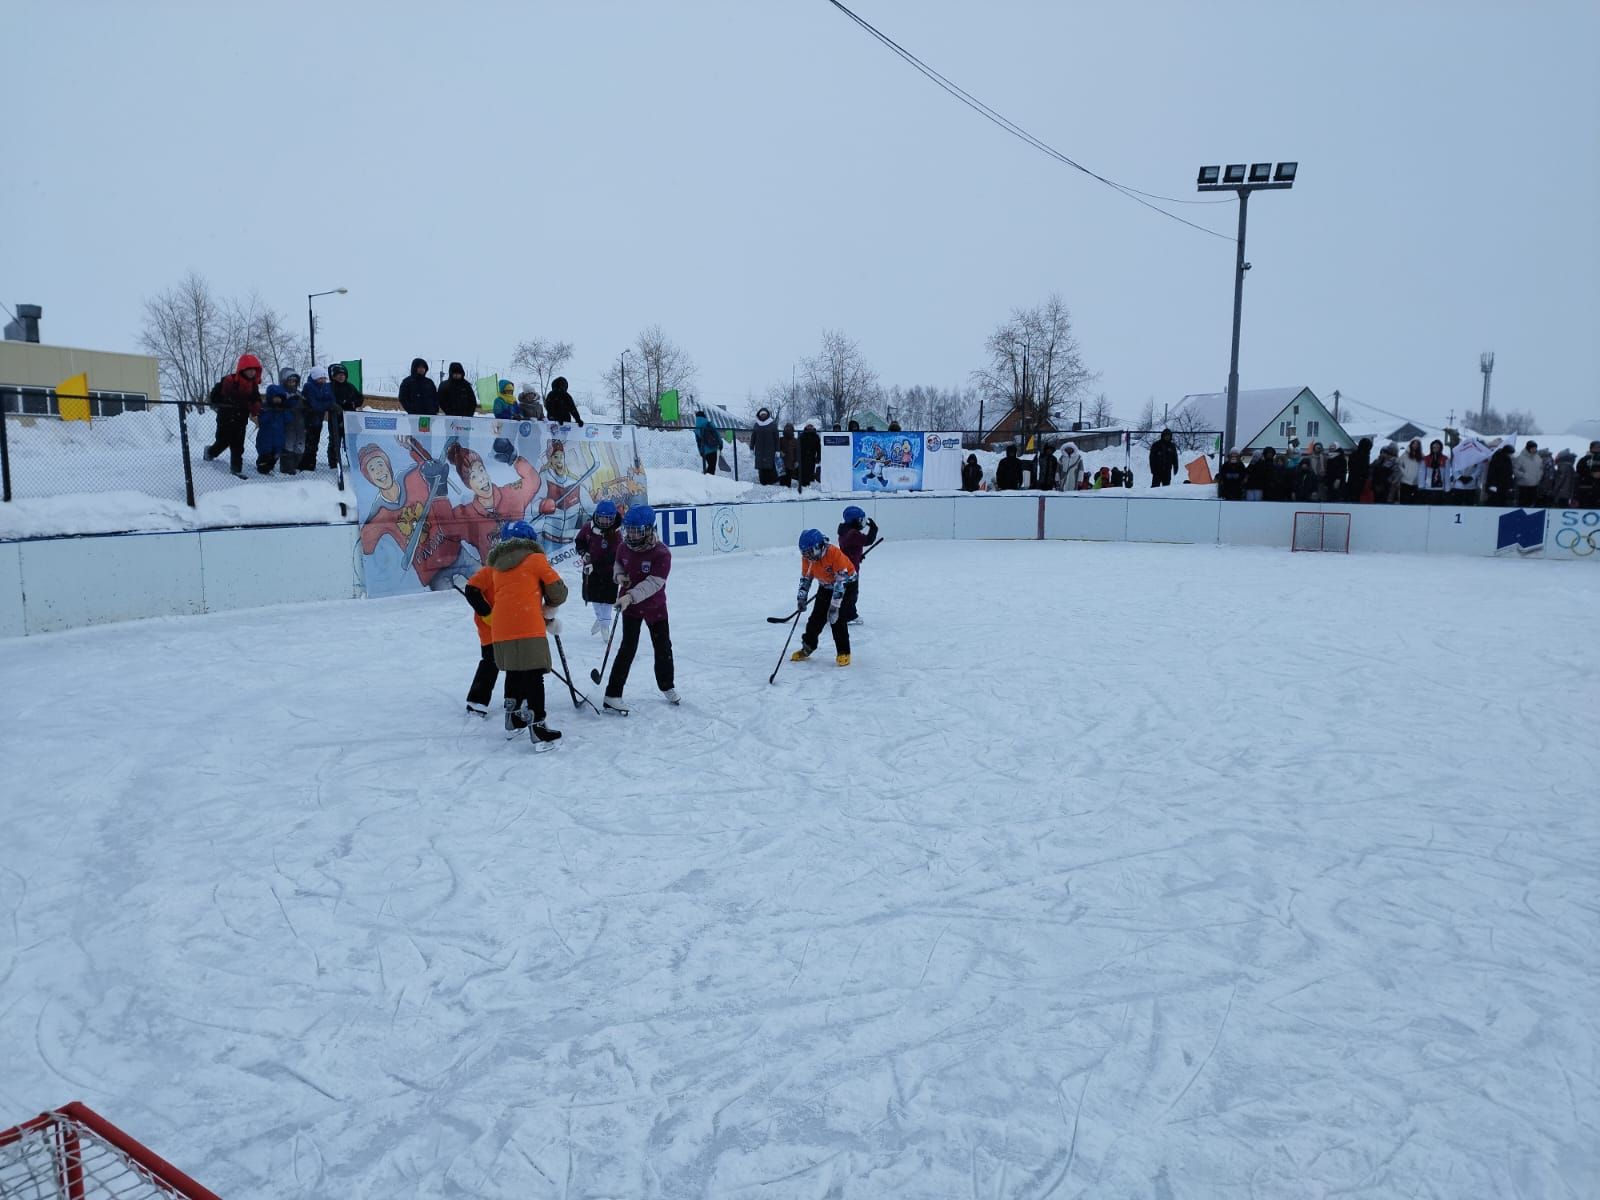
84,1150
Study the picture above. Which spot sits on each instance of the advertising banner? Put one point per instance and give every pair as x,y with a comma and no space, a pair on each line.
432,492
874,462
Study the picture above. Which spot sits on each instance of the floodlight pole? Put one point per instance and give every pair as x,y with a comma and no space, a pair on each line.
1230,422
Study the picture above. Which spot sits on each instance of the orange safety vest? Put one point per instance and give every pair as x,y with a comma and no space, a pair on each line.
833,565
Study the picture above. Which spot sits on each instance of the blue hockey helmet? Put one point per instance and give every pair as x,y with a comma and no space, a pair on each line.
854,515
517,529
605,514
639,526
812,543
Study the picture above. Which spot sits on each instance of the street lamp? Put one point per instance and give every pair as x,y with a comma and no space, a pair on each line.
622,371
1244,179
311,316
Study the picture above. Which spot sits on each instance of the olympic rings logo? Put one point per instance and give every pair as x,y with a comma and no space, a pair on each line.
1580,543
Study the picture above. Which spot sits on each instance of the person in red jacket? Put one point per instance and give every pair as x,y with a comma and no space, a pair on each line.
236,397
858,533
829,567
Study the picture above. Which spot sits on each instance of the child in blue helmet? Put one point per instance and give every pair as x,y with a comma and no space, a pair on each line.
641,576
830,568
857,534
597,544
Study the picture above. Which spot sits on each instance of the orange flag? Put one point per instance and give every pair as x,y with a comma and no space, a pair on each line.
1200,471
72,397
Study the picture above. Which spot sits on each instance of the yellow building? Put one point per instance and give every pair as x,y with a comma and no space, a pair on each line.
29,373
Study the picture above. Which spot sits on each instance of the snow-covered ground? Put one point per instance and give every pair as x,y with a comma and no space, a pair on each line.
1106,870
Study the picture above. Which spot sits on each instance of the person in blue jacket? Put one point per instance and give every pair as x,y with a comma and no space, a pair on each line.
321,407
506,407
280,433
708,441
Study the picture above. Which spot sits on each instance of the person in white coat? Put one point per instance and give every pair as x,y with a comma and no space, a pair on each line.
1526,472
1410,472
1071,468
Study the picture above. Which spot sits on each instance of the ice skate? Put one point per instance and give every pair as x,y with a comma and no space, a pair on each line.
800,655
615,706
670,695
515,722
843,660
543,737
477,710
599,628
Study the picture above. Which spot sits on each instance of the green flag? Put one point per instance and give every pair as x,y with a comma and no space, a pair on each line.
487,388
352,368
669,405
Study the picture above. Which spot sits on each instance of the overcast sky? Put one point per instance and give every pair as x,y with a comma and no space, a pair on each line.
750,172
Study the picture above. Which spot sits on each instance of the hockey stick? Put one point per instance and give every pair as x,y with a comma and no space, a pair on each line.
597,676
785,654
578,699
872,547
787,617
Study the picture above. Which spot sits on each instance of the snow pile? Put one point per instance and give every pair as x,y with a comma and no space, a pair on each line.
301,500
876,931
678,485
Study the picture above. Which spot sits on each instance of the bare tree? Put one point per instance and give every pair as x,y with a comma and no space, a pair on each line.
269,334
1189,430
194,336
1099,415
656,365
838,379
932,408
1147,421
1041,339
543,359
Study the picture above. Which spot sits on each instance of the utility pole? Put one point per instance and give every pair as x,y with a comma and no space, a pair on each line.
1486,365
1335,406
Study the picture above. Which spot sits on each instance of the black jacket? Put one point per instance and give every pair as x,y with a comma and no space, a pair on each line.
418,394
1163,455
810,452
971,474
764,443
1008,474
457,398
1498,476
347,395
559,406
1231,478
1258,475
1047,471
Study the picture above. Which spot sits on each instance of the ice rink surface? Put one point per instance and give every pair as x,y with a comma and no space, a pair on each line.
1106,870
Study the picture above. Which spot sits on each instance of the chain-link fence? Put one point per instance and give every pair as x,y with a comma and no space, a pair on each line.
161,449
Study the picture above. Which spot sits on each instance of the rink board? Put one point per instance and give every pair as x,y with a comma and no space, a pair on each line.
59,583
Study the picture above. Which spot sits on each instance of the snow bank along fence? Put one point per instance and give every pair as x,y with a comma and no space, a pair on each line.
51,584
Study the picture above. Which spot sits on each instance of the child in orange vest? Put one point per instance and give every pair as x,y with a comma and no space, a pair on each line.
835,597
525,585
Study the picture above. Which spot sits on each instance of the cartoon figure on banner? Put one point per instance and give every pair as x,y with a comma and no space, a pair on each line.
890,462
479,518
412,514
565,502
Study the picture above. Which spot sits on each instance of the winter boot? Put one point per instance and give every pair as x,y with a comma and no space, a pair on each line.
800,655
843,660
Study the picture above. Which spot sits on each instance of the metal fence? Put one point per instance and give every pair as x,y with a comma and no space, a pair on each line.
154,448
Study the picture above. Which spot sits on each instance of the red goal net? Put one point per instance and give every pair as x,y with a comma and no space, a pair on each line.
73,1153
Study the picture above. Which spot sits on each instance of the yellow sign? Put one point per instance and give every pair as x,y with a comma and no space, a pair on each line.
72,397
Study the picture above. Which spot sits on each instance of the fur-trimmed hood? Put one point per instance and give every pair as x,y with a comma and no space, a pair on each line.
511,552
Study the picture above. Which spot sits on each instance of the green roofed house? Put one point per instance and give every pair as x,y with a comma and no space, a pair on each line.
1266,417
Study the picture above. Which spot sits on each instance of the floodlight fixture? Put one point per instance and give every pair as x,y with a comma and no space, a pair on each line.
1234,173
1285,172
1260,172
1209,176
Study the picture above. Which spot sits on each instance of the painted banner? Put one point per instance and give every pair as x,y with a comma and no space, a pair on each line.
891,461
432,492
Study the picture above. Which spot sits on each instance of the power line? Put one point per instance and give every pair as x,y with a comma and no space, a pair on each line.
1011,127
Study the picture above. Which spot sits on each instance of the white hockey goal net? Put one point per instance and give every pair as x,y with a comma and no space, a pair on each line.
73,1153
1328,531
